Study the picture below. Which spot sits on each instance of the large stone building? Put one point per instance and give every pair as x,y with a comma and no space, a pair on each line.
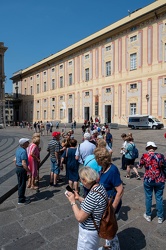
117,71
2,84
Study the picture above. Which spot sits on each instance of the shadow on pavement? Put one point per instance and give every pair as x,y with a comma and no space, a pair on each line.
123,214
132,238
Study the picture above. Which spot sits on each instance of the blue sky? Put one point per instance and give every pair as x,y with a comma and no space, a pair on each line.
35,29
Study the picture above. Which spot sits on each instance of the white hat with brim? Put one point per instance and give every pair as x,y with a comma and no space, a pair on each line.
150,144
23,140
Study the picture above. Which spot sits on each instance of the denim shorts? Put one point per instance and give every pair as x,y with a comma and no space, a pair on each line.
54,167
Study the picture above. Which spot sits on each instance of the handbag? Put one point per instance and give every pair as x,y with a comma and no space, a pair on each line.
108,224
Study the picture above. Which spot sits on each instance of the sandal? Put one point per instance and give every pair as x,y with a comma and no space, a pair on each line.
29,185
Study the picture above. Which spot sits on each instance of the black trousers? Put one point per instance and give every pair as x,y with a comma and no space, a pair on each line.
124,167
22,178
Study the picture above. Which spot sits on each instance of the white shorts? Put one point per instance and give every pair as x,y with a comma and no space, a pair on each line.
87,239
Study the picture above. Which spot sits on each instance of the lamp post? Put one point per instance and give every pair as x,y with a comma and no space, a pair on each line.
2,82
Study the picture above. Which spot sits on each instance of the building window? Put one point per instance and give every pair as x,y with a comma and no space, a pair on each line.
87,74
44,73
53,83
53,114
87,56
61,114
70,63
86,93
133,61
38,101
45,100
132,108
108,68
38,115
31,90
53,99
133,86
45,87
61,97
108,90
25,91
164,80
31,78
70,96
38,89
70,79
45,114
108,48
61,82
37,76
53,69
61,66
165,52
133,38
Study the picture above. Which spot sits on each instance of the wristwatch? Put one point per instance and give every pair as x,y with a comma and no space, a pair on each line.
72,204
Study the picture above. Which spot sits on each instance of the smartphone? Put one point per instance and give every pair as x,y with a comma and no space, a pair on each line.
68,188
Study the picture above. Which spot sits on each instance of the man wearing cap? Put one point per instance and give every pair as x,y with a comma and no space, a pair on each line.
54,147
21,161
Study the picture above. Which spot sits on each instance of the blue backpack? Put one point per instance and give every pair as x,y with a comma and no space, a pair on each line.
134,153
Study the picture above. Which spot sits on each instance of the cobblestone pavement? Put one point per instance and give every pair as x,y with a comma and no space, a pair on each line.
48,223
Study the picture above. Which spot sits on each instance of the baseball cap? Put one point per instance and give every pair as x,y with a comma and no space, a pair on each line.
54,134
23,140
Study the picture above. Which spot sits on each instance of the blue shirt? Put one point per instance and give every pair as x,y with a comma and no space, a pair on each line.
84,149
129,149
110,180
91,162
21,154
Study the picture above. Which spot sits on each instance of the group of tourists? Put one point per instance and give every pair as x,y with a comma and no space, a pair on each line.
92,176
40,127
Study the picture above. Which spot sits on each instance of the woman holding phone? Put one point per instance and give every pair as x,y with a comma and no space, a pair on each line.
94,204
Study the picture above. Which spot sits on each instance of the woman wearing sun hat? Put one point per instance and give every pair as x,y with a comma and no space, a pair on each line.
154,180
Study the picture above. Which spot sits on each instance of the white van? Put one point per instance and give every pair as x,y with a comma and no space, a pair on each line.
144,121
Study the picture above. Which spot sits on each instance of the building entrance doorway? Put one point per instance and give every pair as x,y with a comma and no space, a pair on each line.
86,113
108,113
70,115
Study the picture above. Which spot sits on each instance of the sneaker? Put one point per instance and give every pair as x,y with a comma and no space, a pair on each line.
160,220
127,177
51,184
138,177
25,202
148,218
27,199
56,185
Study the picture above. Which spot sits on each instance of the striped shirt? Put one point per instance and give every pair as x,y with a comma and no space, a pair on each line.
53,146
95,204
